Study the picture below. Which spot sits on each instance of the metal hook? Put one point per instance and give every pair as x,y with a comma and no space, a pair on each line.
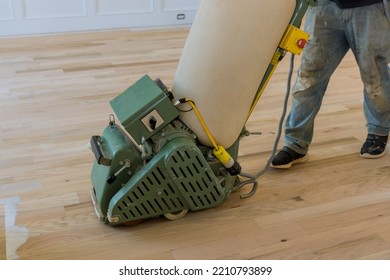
253,190
111,119
244,183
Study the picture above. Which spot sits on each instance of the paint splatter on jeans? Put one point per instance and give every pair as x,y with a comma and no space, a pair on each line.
334,31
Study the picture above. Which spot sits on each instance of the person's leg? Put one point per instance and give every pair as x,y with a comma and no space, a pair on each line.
369,37
323,53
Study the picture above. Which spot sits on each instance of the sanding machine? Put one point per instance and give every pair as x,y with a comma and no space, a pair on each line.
168,151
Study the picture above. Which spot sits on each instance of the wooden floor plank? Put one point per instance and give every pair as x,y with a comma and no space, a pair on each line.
54,95
3,245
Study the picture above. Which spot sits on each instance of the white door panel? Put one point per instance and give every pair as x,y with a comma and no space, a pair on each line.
41,9
108,7
6,12
174,5
22,17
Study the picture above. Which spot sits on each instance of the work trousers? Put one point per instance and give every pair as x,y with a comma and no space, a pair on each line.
334,31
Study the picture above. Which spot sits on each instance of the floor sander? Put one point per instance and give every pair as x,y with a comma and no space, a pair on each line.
175,150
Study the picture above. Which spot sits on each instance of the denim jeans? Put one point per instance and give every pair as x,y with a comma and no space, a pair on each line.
364,30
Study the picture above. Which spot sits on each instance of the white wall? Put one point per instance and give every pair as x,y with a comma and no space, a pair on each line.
19,17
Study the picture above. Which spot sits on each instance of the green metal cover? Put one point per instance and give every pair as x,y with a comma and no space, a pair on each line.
176,179
142,98
115,146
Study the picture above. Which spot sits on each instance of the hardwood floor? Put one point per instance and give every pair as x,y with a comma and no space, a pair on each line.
54,95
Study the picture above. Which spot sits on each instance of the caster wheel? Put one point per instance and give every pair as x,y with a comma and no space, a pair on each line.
176,215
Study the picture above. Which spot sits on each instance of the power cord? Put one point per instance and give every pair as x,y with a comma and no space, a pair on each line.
253,178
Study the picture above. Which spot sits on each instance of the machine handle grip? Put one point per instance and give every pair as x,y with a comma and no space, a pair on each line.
95,146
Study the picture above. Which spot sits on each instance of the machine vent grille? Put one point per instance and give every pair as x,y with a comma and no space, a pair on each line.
195,179
152,196
182,180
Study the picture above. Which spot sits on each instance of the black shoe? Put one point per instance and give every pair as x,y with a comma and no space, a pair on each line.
374,147
286,158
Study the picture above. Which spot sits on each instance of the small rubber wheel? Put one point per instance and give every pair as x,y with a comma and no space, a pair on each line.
176,215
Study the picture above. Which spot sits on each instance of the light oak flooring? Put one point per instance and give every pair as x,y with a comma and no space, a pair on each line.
54,95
